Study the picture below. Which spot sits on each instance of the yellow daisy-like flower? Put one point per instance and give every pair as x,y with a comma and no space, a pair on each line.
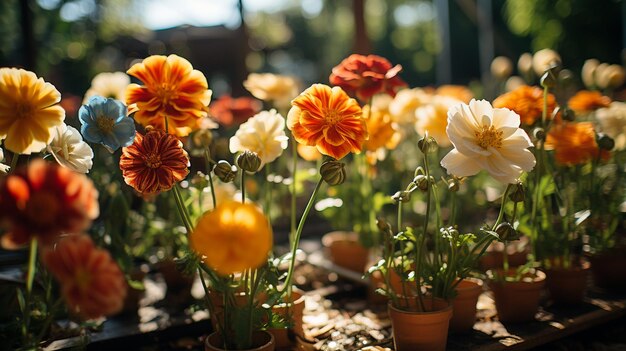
28,111
172,89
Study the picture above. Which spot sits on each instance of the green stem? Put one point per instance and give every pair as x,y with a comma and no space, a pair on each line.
501,213
294,163
182,209
419,248
268,194
30,277
294,244
243,187
207,157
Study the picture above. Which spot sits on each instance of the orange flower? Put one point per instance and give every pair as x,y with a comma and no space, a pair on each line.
92,284
574,143
586,101
527,102
367,76
228,110
382,130
154,162
328,119
44,200
172,89
458,92
233,237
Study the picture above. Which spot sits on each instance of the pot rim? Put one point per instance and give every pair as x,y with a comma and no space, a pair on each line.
270,341
445,309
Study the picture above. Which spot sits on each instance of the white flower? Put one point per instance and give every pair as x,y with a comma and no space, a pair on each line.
433,118
403,106
69,149
613,123
264,134
108,85
487,138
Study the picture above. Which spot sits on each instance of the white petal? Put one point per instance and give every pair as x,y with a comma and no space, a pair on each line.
460,165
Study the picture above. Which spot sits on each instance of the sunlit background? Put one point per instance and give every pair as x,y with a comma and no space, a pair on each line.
436,41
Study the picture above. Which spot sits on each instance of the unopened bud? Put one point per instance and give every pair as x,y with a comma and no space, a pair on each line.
506,232
249,161
518,194
605,142
427,144
382,225
539,134
548,79
422,182
453,185
224,171
333,172
401,196
568,114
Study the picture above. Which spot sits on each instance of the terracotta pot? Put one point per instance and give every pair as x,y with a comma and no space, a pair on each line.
517,251
175,280
464,305
517,301
345,250
286,338
261,341
608,269
567,286
414,331
378,281
217,301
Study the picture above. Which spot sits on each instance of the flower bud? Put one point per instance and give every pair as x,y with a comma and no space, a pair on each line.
513,83
401,196
422,182
610,77
427,144
525,64
588,73
568,114
453,185
224,171
382,225
501,67
506,232
548,79
518,194
544,60
249,161
605,142
333,172
539,134
199,181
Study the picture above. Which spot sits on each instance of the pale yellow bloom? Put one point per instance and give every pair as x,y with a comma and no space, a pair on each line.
433,118
487,138
274,88
613,123
501,67
525,64
264,134
69,149
403,106
544,59
108,85
29,111
609,76
588,73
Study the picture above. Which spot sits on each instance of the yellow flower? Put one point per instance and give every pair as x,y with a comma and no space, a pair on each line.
433,118
233,237
108,85
28,111
279,90
403,106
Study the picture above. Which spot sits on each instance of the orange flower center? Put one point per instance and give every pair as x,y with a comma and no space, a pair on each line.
23,110
105,124
153,160
332,117
488,137
42,208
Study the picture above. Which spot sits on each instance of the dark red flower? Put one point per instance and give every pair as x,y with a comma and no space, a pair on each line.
43,201
366,76
230,111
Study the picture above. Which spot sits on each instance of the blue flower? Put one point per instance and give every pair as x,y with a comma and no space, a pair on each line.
104,121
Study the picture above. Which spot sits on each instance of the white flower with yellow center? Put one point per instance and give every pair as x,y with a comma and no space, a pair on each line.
263,134
613,123
487,138
69,149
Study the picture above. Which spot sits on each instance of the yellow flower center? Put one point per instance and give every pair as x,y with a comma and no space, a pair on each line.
105,124
153,161
165,93
332,117
488,136
23,110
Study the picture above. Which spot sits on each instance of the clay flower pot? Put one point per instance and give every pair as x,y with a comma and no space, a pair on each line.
261,341
567,286
608,269
345,250
517,252
286,338
415,331
517,301
464,305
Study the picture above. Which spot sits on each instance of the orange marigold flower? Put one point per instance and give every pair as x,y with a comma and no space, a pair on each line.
43,201
91,282
574,143
527,102
154,162
382,130
230,111
172,89
233,237
367,76
329,119
458,92
586,101
29,111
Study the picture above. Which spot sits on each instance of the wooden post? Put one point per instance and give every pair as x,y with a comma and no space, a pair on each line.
361,41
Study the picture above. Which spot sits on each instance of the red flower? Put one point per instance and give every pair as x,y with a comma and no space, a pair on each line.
43,201
367,76
92,284
154,162
228,110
